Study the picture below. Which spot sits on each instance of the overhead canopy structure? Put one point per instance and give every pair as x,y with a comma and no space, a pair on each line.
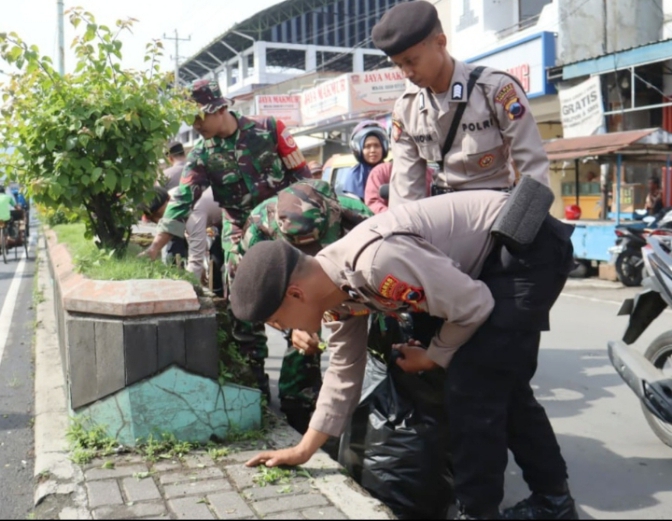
331,23
651,144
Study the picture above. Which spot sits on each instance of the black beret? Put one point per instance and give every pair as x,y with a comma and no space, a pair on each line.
175,148
261,280
404,26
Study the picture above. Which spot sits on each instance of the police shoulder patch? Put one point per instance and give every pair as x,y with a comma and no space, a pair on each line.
395,289
508,98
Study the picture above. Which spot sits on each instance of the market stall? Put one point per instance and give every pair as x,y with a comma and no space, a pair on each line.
636,148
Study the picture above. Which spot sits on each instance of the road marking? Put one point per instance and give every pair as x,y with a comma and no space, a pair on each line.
593,299
10,302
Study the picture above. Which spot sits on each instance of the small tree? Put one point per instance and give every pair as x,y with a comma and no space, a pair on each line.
89,141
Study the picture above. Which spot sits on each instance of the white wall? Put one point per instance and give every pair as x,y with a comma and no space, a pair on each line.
494,16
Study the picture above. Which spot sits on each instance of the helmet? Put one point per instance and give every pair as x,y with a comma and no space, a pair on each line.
362,131
573,212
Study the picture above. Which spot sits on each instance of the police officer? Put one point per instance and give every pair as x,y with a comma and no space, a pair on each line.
436,256
245,162
309,215
473,135
177,158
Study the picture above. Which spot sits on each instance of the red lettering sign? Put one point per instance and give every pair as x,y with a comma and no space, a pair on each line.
522,72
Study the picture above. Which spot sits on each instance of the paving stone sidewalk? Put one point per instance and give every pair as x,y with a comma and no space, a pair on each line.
198,487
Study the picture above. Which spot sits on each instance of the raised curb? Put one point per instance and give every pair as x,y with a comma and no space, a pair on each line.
54,471
117,298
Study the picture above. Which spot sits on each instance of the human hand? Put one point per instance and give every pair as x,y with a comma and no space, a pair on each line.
414,358
289,457
151,252
305,343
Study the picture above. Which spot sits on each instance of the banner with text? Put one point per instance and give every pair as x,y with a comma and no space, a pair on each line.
284,107
581,109
352,93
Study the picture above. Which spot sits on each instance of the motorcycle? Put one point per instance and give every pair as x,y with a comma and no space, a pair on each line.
649,375
626,255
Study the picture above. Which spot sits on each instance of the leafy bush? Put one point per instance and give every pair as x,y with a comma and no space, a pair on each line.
89,141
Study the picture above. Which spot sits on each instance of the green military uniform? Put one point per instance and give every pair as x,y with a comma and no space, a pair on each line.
258,160
309,215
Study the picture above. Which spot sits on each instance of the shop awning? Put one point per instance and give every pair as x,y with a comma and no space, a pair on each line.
632,143
308,142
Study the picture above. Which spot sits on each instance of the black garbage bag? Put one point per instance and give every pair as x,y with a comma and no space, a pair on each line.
396,443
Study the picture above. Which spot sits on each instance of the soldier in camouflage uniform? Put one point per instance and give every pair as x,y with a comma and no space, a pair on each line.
245,162
310,216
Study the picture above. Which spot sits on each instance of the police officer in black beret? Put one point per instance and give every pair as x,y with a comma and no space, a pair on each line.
474,122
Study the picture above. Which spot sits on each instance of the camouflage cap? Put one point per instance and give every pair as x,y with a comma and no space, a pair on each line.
208,94
306,214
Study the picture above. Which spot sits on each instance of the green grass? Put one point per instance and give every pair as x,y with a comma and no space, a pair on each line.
104,265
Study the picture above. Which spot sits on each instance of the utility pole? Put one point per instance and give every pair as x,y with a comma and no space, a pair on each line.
177,55
61,38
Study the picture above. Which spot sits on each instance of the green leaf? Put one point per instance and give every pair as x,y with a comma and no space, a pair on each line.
126,183
70,143
96,173
110,180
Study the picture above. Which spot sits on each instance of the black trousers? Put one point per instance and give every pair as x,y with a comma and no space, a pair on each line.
489,401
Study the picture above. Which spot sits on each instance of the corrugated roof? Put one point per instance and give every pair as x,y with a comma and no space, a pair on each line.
635,142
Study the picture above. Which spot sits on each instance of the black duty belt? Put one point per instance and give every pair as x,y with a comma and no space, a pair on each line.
440,190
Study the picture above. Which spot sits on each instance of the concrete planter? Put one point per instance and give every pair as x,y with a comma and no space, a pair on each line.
141,357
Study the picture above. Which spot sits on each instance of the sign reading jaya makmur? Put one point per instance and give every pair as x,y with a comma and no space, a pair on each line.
581,109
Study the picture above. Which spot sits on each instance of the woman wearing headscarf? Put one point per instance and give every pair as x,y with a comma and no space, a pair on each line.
370,145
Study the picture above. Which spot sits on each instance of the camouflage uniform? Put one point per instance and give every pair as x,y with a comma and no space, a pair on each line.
309,215
258,160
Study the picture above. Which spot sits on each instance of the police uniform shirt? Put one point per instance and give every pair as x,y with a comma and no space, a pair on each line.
497,127
433,269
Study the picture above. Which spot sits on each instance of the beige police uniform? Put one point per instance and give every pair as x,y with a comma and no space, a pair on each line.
497,126
433,268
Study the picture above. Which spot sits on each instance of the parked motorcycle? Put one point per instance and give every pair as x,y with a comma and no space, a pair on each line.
650,375
626,255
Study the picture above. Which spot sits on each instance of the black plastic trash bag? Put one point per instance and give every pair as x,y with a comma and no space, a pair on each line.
396,444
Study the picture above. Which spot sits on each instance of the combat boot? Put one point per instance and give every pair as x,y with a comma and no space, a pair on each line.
543,506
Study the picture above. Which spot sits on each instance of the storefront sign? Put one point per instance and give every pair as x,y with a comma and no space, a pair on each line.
329,99
527,60
283,107
375,90
581,109
351,94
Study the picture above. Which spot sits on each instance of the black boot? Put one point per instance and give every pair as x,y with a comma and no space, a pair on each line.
543,506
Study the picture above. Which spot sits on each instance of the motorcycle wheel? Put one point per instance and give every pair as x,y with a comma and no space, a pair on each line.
659,353
629,267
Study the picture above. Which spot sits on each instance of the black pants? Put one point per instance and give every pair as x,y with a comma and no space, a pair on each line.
490,404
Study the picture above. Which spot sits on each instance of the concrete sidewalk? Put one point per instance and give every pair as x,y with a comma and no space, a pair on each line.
195,486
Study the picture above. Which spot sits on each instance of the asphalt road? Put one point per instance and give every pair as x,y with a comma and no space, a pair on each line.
16,385
617,467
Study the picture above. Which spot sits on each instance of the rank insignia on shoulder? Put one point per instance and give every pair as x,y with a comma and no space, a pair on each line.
458,89
508,98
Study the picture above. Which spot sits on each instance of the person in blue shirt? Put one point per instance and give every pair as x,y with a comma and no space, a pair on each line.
370,145
23,203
